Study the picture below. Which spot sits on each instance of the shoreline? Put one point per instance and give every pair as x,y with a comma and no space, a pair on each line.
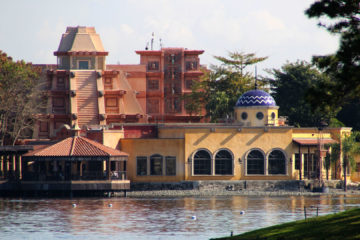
209,193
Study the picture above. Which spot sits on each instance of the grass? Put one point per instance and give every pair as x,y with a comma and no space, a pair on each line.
338,226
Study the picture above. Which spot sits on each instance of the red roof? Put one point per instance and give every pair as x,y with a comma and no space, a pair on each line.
313,141
77,146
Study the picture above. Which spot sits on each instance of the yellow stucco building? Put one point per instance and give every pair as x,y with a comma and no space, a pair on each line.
254,147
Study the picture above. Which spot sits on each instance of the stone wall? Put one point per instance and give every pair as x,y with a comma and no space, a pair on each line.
249,185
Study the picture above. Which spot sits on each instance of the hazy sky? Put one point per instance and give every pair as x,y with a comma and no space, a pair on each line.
31,30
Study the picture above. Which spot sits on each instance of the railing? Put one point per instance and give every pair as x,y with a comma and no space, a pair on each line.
118,175
86,175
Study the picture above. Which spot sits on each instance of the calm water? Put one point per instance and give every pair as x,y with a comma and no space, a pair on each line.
155,218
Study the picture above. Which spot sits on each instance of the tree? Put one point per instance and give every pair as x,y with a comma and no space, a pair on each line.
332,158
20,99
342,17
350,148
220,87
290,86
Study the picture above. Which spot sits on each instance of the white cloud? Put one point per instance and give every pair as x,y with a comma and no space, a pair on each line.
266,19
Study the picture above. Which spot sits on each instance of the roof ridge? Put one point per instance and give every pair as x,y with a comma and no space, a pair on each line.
72,146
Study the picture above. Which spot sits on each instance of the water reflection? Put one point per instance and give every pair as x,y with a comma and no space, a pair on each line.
156,218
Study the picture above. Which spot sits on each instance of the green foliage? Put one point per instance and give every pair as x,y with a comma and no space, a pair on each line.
344,225
290,87
350,114
220,87
19,98
340,17
350,148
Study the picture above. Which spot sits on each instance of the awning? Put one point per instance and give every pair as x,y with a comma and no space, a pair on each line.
313,141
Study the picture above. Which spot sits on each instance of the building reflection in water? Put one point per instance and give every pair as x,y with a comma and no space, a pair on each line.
154,218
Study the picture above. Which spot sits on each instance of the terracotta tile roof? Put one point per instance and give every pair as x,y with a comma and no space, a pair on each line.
313,141
77,146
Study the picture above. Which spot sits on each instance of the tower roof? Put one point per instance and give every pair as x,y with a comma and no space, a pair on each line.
80,39
255,98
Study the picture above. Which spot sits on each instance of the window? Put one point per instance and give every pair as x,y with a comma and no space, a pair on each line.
297,161
152,105
83,64
273,115
223,163
172,105
255,162
277,162
244,116
202,163
44,126
108,83
111,102
191,65
153,84
156,164
153,66
170,165
141,166
189,83
259,115
357,167
60,83
58,102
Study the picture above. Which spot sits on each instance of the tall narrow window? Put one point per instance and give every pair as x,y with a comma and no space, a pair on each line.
255,162
223,163
277,162
170,165
141,166
156,164
202,163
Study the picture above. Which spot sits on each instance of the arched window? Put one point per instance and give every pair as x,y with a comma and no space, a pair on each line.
255,162
202,163
277,162
223,162
156,164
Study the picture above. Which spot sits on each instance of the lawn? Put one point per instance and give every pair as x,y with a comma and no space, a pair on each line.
339,226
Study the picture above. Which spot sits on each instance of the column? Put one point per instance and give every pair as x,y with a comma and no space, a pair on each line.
301,164
1,166
108,175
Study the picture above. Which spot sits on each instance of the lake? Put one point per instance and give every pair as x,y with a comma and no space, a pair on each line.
156,218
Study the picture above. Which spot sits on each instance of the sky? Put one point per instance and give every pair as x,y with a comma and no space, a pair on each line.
278,29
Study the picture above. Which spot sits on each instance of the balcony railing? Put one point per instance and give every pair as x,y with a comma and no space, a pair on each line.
86,175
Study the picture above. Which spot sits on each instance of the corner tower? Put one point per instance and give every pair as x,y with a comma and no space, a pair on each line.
77,84
256,108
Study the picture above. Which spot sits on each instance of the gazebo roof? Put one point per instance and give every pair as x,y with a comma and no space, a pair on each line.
77,146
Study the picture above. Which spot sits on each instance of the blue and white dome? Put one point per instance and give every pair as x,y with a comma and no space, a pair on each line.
255,98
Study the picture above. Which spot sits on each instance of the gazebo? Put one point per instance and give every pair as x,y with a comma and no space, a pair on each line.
75,158
75,163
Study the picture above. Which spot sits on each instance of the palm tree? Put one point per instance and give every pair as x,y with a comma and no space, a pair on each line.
350,148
